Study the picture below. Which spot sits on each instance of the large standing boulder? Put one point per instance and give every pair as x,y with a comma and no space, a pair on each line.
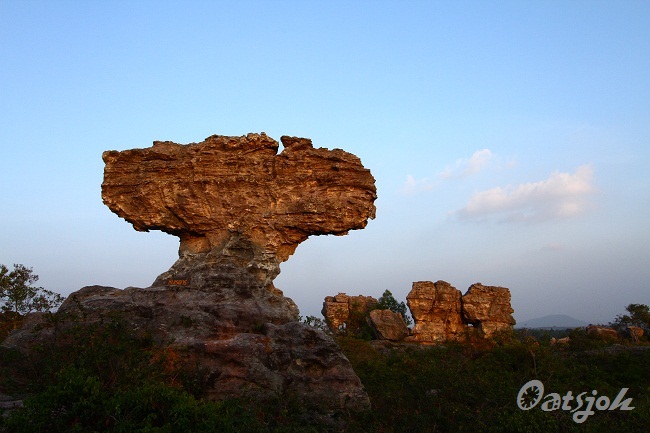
436,311
240,208
488,308
342,311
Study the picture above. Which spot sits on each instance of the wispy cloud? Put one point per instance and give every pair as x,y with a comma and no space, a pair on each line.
467,167
462,168
562,195
412,185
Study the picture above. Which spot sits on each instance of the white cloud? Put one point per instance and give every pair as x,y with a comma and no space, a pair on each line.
562,195
413,185
463,168
467,167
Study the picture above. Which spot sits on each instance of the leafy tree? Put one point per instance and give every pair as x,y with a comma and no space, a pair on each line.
388,302
639,315
18,295
315,322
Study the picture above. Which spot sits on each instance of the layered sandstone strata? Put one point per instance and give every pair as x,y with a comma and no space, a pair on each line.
488,308
436,311
339,309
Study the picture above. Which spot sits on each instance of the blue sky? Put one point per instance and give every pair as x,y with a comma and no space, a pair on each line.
510,141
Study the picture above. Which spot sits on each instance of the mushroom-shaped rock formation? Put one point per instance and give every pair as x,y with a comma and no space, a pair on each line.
238,196
240,208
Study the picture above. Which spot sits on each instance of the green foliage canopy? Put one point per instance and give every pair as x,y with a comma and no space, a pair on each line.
639,315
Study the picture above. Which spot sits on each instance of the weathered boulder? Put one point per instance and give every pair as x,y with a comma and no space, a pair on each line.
560,341
388,325
602,332
339,310
488,308
436,311
239,209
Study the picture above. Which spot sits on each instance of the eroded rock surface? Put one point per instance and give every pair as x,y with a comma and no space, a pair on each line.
488,308
339,309
441,314
207,193
239,209
604,332
436,311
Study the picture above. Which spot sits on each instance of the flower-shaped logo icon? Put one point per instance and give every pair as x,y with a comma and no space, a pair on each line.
530,394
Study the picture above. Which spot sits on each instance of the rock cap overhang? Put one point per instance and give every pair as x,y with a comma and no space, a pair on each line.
206,192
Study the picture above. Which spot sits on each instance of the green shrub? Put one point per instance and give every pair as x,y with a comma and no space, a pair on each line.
388,302
104,378
78,401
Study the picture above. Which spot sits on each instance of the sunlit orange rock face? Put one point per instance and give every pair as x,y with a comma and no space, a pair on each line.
207,193
488,308
338,309
388,325
442,314
436,311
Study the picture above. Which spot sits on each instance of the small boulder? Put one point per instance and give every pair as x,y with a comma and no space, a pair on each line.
388,325
602,332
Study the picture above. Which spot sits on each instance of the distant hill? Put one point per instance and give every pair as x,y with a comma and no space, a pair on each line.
556,321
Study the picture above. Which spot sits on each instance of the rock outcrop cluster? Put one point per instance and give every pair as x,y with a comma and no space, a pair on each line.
440,313
240,208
